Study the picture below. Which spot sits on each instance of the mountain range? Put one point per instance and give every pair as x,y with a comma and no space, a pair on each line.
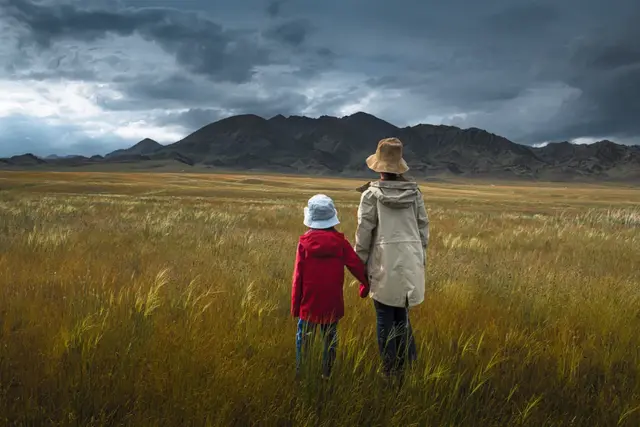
339,146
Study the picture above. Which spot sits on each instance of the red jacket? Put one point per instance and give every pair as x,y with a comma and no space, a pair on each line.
318,276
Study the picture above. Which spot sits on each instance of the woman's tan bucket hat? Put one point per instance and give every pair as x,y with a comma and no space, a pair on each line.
388,157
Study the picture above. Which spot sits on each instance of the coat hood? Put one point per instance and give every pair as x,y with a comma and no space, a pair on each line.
395,194
323,243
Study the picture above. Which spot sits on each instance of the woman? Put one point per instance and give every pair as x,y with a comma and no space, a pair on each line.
392,238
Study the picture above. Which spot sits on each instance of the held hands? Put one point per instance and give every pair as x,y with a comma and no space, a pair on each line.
364,290
364,287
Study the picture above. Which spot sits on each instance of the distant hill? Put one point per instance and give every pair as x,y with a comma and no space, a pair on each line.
56,157
146,146
24,160
603,158
339,146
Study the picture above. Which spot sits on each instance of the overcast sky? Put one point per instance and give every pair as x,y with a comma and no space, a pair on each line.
89,76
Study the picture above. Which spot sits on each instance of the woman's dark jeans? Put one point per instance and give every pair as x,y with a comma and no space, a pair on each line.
395,337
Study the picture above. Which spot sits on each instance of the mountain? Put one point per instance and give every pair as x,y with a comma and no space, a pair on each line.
156,156
330,145
56,157
146,146
603,158
24,160
339,146
448,149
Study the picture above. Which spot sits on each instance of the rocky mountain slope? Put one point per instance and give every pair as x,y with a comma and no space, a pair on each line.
23,160
331,145
146,146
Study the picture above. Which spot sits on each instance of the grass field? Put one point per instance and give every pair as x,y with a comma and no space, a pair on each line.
163,299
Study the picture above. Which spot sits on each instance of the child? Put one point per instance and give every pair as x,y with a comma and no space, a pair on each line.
317,298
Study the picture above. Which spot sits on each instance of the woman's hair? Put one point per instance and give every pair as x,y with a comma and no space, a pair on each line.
392,176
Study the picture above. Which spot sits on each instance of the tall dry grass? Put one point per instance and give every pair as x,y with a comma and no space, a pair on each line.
164,300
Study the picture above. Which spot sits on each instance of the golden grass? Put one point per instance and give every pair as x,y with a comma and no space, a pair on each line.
163,299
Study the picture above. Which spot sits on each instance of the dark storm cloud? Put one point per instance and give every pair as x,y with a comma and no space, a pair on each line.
234,104
511,53
151,91
192,119
523,19
532,70
176,91
274,7
606,68
198,43
292,33
67,63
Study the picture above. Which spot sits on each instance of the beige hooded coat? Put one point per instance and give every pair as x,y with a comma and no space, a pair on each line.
392,238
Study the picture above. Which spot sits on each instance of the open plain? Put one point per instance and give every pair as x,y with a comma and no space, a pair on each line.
163,299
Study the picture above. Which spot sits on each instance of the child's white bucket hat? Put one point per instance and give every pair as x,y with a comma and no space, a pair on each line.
320,213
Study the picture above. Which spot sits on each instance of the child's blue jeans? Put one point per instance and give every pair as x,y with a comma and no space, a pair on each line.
304,337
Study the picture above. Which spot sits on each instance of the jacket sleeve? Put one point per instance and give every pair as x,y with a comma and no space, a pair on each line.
296,287
367,221
423,222
354,264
